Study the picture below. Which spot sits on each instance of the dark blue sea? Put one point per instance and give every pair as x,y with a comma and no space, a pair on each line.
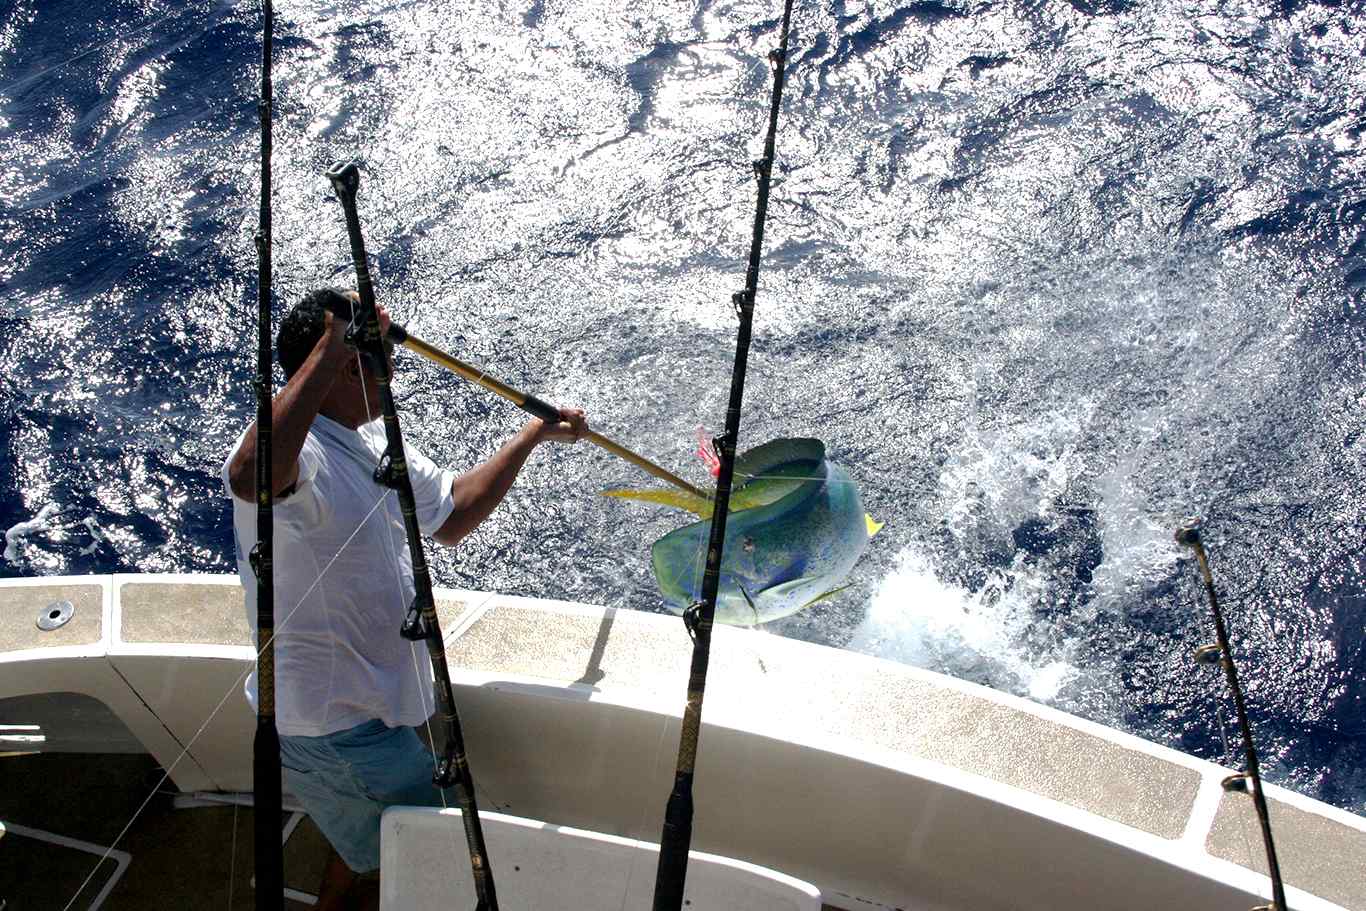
1045,276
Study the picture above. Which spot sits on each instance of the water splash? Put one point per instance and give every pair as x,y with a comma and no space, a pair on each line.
917,618
1012,474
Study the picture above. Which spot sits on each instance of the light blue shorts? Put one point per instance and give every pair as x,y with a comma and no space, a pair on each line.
346,779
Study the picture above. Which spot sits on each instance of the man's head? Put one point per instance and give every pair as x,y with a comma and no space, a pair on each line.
305,324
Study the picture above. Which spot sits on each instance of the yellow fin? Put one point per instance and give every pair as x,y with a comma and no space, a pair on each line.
830,594
874,526
679,499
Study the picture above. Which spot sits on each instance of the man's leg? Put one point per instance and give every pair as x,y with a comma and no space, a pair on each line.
322,781
335,889
395,767
400,773
366,892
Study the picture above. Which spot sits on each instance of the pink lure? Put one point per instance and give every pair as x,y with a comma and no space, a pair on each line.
706,451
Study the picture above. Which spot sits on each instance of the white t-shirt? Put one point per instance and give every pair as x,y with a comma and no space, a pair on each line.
343,583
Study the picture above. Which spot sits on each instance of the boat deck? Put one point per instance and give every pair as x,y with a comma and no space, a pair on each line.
175,858
571,713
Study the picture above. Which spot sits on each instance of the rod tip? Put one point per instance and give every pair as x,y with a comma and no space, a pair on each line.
345,176
1188,532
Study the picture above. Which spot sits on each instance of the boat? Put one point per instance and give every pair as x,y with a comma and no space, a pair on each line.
867,783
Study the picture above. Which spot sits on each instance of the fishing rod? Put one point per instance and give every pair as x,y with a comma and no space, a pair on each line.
421,623
1251,780
266,774
677,833
529,403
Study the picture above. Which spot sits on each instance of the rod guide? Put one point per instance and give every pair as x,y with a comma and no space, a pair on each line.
1209,654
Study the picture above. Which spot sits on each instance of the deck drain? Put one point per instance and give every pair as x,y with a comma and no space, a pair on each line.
55,615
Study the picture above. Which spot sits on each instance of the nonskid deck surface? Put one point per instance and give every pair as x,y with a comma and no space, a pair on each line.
200,857
176,858
535,678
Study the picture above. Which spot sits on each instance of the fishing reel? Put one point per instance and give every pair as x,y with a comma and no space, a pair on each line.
414,627
391,469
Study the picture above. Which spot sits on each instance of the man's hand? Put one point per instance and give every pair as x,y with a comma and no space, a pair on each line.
478,491
296,405
573,426
333,341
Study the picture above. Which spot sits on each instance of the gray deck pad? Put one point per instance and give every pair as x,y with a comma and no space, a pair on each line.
20,606
1313,851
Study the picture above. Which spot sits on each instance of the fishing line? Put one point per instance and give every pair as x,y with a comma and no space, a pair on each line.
786,477
1227,755
86,53
166,774
644,810
424,693
327,607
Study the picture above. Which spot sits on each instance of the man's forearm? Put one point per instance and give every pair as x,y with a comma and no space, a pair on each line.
292,413
478,491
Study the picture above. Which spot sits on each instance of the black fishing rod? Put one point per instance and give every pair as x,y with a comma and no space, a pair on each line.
421,622
266,799
677,833
1251,780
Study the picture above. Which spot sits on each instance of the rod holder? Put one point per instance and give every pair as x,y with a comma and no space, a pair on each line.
55,615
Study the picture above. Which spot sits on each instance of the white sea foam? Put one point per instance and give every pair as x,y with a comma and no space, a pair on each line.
918,619
1139,549
15,535
1013,473
96,536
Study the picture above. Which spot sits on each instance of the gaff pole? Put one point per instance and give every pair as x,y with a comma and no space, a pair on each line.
269,849
421,623
677,833
530,404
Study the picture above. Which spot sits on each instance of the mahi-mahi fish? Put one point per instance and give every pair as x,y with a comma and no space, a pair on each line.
794,530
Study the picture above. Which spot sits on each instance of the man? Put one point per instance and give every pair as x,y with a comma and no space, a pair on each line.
349,689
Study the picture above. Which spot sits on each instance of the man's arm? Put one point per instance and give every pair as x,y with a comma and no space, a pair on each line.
478,491
292,412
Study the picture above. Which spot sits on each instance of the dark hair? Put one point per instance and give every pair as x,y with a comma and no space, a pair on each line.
303,325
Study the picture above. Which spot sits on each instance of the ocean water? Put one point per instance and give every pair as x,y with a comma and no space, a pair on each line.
1046,277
